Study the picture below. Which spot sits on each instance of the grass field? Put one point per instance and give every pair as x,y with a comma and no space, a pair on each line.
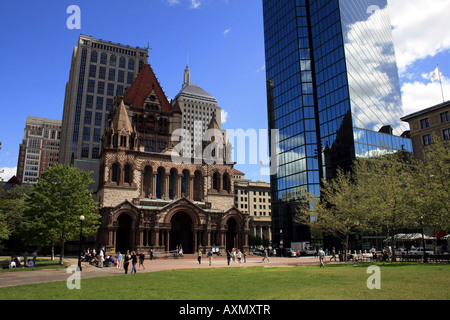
336,282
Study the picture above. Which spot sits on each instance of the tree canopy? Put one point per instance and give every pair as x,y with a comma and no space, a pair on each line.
386,193
55,205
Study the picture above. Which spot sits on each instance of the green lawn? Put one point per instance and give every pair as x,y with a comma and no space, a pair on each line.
347,282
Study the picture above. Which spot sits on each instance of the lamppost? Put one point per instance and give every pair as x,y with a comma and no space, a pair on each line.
425,260
81,234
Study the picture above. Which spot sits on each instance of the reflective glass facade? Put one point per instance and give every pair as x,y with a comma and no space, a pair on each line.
332,83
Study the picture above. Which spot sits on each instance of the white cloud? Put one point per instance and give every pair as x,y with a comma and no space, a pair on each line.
173,2
419,95
223,116
261,69
7,173
419,29
226,31
195,4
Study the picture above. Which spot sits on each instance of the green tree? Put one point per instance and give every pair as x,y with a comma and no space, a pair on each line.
58,200
385,184
338,212
12,206
431,202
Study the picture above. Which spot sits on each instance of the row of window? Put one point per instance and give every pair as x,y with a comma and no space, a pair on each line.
445,117
426,139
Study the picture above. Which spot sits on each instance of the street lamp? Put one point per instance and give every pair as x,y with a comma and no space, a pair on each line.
81,234
425,260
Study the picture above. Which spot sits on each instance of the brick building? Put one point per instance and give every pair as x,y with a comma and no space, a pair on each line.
39,148
424,123
148,201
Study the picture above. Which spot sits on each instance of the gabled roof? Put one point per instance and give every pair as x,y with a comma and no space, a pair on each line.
141,88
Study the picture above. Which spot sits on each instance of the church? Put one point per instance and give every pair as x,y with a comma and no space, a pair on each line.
147,200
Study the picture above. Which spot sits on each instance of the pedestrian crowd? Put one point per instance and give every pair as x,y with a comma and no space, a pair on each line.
15,261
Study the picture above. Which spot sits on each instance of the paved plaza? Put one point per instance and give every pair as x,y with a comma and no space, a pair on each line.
8,279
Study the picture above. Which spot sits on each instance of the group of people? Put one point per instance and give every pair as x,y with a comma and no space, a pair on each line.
16,263
236,255
133,257
120,261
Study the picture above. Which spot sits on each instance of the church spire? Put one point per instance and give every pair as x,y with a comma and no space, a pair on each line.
187,72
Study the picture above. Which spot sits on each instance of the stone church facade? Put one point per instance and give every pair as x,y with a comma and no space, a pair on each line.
147,200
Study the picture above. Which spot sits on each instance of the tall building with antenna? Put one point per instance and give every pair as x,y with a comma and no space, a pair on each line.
198,108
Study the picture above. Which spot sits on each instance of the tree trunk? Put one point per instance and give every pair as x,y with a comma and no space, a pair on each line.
61,256
53,253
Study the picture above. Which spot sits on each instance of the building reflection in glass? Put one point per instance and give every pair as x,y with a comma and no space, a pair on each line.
332,84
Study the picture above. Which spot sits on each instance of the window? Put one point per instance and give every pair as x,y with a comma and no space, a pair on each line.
92,70
102,73
101,87
426,140
122,62
112,60
94,56
424,123
103,58
91,85
112,75
131,64
446,133
445,117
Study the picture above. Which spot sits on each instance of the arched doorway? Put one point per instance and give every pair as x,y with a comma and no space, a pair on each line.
181,232
123,240
232,234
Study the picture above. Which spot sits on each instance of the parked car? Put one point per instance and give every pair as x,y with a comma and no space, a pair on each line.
289,252
256,252
420,251
400,251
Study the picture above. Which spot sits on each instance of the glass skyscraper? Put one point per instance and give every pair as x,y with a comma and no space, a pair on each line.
333,94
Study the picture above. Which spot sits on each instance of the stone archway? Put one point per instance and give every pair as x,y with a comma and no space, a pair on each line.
124,233
232,235
181,232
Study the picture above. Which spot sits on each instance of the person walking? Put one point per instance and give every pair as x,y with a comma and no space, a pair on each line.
119,260
321,256
333,254
228,257
141,260
266,255
210,257
134,260
199,256
101,256
126,261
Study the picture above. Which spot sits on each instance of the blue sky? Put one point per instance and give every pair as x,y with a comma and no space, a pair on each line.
226,55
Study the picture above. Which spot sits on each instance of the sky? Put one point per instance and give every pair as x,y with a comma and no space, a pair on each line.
225,43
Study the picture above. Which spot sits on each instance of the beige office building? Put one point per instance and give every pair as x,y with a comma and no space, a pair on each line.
198,108
99,71
424,123
253,197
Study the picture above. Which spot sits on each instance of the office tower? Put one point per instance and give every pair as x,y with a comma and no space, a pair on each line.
333,94
198,108
99,70
39,148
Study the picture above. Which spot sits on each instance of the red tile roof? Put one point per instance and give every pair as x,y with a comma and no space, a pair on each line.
141,88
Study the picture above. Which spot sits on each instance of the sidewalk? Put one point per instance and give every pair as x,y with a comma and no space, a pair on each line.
9,279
